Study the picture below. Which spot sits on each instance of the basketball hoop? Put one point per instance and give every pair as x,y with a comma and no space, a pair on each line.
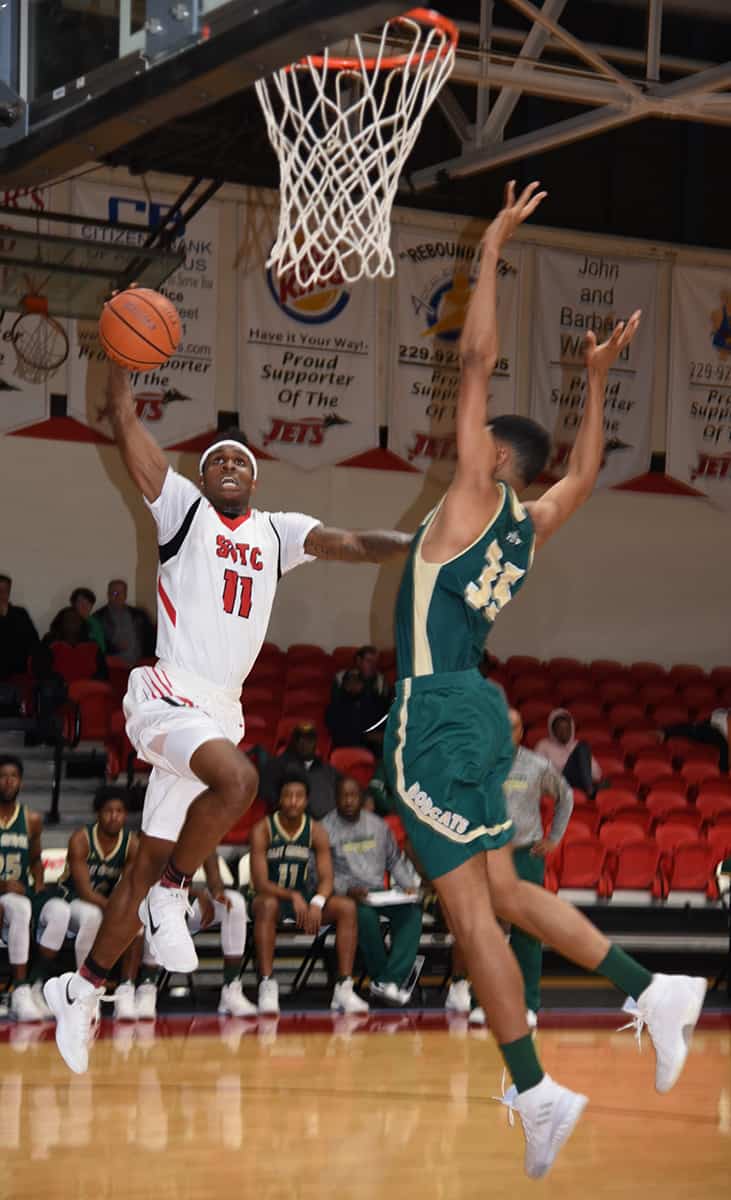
342,128
39,341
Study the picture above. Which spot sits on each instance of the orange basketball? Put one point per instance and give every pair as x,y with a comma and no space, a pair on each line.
139,329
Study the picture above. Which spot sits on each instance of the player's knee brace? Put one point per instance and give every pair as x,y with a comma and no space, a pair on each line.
233,926
53,924
17,910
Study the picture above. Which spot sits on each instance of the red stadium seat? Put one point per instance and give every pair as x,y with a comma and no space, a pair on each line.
700,753
305,700
715,787
535,711
671,783
652,694
616,691
646,672
661,803
650,770
686,673
636,864
610,759
395,824
633,741
606,668
626,780
318,673
559,667
583,822
670,714
344,657
520,664
95,702
582,864
552,868
696,772
118,669
524,687
307,652
671,834
617,833
355,761
257,697
75,662
586,711
387,659
596,731
572,690
612,800
719,840
720,677
700,698
711,804
620,715
533,736
678,747
691,869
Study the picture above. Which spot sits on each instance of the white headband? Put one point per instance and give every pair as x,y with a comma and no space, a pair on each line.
227,442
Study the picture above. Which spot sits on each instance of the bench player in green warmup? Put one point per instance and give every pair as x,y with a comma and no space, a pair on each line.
447,743
281,846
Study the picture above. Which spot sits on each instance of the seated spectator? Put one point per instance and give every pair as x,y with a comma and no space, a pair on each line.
213,906
568,755
300,755
353,711
18,639
363,850
128,631
280,875
365,660
713,732
97,855
70,628
83,600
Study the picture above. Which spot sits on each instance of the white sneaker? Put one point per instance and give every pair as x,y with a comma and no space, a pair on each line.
346,1000
458,998
234,1003
477,1016
125,1008
146,1002
163,913
670,1007
22,1004
548,1113
43,1009
74,1003
389,993
268,997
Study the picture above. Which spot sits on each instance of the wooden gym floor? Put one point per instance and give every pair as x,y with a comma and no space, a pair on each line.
314,1107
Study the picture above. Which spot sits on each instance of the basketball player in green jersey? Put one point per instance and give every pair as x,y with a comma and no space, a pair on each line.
22,895
280,874
447,742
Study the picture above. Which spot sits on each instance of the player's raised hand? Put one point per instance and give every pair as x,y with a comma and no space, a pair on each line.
512,214
601,357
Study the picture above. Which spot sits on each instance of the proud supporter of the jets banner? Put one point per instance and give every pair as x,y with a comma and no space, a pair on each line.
307,365
178,400
435,274
575,293
699,401
22,403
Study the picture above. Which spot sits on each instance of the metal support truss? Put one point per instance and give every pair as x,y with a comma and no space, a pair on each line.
593,80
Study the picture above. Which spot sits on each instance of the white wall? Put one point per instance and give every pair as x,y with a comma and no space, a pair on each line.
632,577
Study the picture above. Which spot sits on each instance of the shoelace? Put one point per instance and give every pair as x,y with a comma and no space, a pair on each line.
637,1022
507,1098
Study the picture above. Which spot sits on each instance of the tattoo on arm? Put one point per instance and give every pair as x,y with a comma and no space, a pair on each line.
341,545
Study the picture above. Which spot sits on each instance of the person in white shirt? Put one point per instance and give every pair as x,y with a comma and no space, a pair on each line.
219,564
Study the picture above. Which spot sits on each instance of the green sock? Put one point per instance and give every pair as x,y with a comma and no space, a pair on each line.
41,969
148,974
624,972
231,972
522,1062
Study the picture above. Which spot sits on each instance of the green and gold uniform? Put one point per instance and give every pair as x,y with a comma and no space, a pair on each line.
104,869
15,849
288,859
447,745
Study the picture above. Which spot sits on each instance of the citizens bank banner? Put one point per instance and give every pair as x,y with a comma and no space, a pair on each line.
178,400
22,403
575,293
699,402
435,274
307,390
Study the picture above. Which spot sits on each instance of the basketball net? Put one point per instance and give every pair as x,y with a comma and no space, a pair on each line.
342,129
39,341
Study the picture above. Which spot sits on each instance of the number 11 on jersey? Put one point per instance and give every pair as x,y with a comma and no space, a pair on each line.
236,585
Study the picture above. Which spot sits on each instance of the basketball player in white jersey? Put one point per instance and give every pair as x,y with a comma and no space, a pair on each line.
220,562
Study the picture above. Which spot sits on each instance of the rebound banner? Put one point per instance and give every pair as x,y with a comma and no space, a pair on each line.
23,403
575,293
307,364
699,400
435,274
178,400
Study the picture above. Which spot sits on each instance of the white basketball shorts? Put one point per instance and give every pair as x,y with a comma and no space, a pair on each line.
169,715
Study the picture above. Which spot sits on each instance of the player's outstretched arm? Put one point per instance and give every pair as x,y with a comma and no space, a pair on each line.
356,546
143,458
478,347
585,461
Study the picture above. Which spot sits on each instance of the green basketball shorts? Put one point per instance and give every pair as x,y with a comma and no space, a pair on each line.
447,752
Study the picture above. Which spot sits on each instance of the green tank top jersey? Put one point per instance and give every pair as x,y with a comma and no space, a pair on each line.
288,857
15,848
104,870
445,611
